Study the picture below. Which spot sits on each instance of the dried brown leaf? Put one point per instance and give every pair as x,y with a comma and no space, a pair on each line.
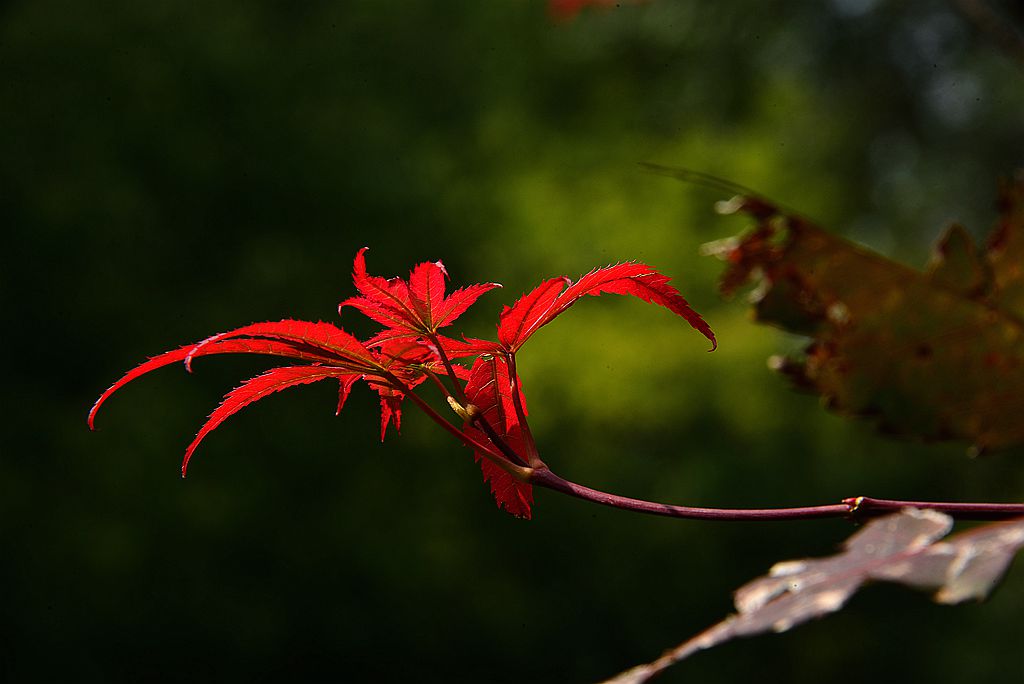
904,548
935,354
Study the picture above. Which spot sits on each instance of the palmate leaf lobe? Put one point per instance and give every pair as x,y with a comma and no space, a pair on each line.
268,347
331,341
254,389
551,298
489,389
411,308
328,350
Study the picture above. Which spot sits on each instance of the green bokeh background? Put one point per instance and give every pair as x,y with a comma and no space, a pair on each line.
170,170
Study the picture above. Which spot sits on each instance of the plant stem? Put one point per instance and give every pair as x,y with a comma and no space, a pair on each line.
487,450
467,440
864,506
437,382
855,508
456,383
496,439
479,418
546,478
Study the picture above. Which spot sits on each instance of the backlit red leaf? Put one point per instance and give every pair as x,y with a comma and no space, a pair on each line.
514,496
386,301
400,353
455,304
332,342
343,391
530,312
426,285
388,335
416,307
256,388
409,358
234,346
457,349
548,300
390,407
391,401
640,281
490,391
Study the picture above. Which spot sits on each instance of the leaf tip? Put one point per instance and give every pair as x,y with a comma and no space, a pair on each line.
188,358
359,264
91,419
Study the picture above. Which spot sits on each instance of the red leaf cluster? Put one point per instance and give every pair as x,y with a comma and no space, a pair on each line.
413,308
408,351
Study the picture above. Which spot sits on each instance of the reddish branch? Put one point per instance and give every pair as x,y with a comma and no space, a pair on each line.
856,508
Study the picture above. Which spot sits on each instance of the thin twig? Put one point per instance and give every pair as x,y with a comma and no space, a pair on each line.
460,394
479,418
854,508
866,507
488,451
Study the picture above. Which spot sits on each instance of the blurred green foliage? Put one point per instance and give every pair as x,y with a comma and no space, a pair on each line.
171,170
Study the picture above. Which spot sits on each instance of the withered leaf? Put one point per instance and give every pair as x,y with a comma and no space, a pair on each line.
904,548
935,354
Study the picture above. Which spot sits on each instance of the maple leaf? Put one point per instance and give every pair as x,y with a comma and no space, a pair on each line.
254,389
336,345
238,346
937,354
301,340
329,351
490,392
904,548
540,306
470,346
407,361
410,308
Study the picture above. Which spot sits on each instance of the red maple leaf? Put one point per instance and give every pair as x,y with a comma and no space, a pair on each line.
238,346
410,308
329,351
254,389
540,306
409,361
490,392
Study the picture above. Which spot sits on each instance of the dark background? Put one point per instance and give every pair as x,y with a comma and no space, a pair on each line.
171,170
